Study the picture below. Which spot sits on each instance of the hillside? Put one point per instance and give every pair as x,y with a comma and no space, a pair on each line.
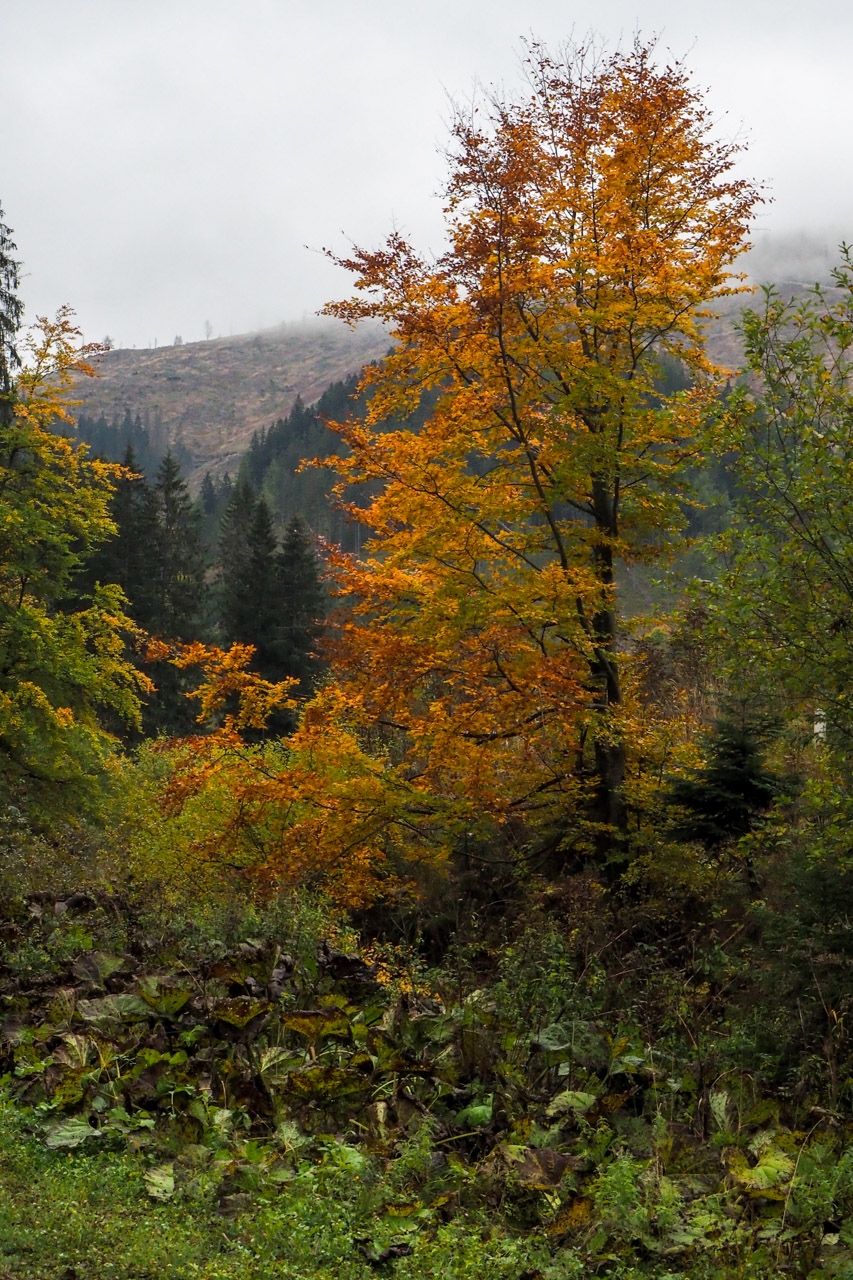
211,396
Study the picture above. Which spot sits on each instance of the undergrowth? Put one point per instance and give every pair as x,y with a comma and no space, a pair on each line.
247,1089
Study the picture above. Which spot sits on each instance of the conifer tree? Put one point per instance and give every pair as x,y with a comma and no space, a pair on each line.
235,606
178,594
207,496
213,498
126,558
263,594
303,600
269,597
725,798
255,608
178,568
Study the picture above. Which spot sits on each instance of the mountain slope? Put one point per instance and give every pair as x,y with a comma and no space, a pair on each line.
211,396
208,398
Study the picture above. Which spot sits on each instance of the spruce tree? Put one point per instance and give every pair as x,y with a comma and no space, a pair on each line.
270,598
262,593
251,604
303,605
179,595
126,558
179,565
235,604
725,798
208,495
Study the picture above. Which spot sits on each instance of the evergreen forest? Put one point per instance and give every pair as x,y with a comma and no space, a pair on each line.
427,852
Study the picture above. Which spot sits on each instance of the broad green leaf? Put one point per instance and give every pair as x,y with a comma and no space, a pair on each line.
76,1050
768,1178
276,1062
166,1000
220,1119
320,1082
718,1101
349,1158
570,1100
241,1011
629,1062
554,1039
476,1115
71,1132
316,1023
123,1007
160,1182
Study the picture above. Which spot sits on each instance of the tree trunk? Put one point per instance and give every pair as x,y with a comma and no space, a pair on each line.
608,808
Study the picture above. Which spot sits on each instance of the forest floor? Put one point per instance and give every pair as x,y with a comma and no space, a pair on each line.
252,1093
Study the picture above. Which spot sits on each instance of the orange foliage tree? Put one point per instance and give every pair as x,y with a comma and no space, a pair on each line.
479,654
588,222
315,809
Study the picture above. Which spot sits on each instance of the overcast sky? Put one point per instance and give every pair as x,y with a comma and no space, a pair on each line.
164,163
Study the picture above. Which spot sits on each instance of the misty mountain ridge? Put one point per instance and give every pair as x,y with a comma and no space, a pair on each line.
205,400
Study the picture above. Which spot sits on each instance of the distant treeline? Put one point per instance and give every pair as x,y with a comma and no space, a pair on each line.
250,586
272,464
144,432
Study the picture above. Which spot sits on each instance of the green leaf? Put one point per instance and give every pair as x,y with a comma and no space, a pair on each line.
276,1063
629,1063
329,1082
348,1158
718,1101
71,1132
570,1100
241,1011
119,1119
315,1023
554,1039
477,1115
123,1007
765,1179
167,1001
160,1182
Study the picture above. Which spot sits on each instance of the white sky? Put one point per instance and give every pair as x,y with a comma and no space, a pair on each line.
163,163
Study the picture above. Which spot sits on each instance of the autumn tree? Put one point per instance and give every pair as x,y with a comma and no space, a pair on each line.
480,661
61,668
588,222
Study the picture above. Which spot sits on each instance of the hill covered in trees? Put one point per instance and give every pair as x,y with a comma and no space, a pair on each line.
204,400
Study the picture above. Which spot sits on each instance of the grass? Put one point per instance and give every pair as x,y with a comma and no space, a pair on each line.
90,1212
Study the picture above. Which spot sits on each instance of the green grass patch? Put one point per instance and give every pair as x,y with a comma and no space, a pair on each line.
92,1212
